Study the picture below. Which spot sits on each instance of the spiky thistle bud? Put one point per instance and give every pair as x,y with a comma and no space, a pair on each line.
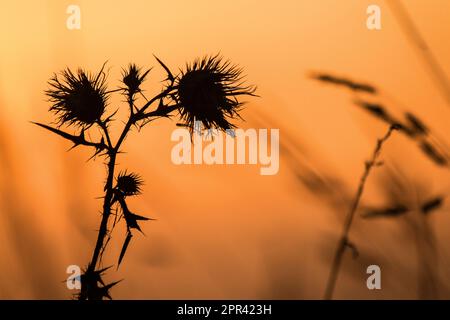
129,184
132,78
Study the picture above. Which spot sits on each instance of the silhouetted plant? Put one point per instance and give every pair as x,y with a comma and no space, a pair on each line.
208,90
403,204
344,241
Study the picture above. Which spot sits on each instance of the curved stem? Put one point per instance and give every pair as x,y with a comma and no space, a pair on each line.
343,242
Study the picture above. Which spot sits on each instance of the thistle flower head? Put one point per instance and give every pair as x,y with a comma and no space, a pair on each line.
208,91
78,98
132,78
129,184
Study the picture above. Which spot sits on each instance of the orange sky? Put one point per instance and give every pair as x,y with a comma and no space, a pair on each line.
222,231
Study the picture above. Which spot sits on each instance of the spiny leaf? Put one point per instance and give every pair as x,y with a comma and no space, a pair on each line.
109,286
77,140
138,217
131,219
103,292
94,276
124,247
169,73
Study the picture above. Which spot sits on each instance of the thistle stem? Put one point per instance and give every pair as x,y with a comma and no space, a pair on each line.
106,212
103,231
343,242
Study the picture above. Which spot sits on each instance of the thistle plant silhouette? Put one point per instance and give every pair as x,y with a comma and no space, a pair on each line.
208,90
